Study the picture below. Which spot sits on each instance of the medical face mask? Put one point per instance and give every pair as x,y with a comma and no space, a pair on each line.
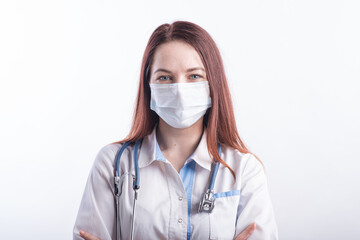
180,104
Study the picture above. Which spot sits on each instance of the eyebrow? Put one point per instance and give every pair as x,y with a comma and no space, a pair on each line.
188,70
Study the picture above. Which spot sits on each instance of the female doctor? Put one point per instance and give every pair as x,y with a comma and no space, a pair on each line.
197,178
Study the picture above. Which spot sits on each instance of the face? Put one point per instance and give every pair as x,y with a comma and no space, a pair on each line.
176,62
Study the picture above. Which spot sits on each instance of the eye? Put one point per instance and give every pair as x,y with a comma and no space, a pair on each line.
195,76
164,78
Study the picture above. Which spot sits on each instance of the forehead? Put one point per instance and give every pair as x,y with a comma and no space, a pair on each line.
176,55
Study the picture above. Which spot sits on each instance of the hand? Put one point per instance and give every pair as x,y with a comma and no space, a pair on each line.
87,236
244,234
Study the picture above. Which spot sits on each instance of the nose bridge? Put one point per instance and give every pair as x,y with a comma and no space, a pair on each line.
181,78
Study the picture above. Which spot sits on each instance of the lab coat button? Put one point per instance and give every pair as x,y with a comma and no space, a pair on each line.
180,220
180,198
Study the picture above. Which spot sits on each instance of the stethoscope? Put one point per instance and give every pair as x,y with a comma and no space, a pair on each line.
207,202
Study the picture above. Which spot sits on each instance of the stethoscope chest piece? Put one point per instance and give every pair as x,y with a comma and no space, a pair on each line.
207,201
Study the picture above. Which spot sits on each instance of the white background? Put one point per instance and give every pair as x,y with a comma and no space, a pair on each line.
69,72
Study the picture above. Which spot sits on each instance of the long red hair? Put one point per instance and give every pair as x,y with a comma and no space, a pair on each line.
219,119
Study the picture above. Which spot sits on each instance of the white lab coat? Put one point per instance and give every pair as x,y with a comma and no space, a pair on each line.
168,201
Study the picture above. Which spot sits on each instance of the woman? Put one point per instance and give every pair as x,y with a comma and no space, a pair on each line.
185,117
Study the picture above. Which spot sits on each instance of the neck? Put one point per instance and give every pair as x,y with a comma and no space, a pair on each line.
176,139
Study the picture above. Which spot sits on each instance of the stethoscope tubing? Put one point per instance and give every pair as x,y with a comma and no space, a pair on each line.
208,195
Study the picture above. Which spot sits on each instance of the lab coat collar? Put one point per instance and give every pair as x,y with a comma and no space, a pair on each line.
150,151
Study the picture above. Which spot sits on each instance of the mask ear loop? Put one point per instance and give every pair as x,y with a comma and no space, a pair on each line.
207,202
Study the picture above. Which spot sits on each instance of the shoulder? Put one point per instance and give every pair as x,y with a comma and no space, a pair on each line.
105,157
243,164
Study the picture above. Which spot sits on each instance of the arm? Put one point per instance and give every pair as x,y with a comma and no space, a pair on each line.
255,203
97,209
